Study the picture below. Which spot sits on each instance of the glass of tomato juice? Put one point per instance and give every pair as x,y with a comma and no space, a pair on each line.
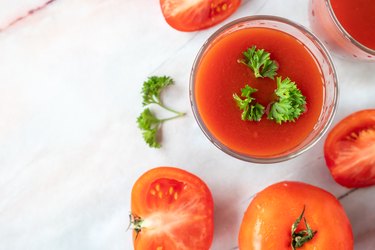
346,26
216,75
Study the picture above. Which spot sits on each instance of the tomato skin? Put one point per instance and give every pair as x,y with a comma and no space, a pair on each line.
267,222
177,209
188,15
349,150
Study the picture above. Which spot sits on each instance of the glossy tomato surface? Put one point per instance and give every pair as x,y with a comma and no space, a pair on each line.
175,211
349,150
268,220
191,15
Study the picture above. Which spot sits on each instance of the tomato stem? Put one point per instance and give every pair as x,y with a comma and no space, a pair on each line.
301,237
135,223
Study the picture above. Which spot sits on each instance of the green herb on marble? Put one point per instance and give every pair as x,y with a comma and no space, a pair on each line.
148,122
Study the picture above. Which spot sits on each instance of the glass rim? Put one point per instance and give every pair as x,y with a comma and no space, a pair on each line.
345,33
272,158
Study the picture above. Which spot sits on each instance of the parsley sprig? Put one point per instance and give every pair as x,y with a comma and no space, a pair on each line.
290,104
260,62
250,111
147,121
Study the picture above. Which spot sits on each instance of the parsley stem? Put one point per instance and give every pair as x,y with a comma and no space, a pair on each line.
171,118
148,122
174,111
179,114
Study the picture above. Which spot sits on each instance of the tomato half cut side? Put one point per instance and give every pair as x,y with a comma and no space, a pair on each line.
349,150
192,15
172,209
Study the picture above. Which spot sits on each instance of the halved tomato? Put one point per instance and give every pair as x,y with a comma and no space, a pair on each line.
171,210
191,15
349,150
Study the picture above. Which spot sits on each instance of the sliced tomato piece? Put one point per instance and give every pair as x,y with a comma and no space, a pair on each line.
171,210
349,150
191,15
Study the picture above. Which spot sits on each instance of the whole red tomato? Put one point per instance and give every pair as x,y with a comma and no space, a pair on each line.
171,209
289,215
191,15
349,150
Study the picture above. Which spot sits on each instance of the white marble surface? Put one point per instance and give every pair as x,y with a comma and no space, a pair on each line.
70,150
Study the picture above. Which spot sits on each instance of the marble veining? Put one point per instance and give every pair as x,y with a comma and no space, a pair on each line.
70,150
28,13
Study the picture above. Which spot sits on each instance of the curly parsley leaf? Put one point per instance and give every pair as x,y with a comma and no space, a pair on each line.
147,121
149,125
260,62
153,87
290,104
250,111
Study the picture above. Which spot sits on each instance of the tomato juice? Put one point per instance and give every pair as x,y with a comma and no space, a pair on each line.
357,18
217,75
346,26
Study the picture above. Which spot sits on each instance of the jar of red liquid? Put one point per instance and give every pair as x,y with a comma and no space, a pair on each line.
217,74
347,27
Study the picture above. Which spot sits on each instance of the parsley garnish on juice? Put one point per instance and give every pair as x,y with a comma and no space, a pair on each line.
148,122
250,111
289,104
259,62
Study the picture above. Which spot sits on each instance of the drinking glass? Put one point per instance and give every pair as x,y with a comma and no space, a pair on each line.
323,60
327,27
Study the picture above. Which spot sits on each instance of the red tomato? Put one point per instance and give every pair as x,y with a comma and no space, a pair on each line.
171,210
349,150
268,221
191,15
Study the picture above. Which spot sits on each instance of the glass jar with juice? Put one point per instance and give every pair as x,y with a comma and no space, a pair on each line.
346,26
217,75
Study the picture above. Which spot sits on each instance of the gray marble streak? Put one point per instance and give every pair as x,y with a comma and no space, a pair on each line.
25,14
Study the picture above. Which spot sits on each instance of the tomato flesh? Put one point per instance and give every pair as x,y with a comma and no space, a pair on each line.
349,150
176,208
191,15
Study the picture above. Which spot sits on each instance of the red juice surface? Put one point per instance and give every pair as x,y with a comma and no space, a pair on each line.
358,18
219,75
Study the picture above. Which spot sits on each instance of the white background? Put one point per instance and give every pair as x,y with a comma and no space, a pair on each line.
70,150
